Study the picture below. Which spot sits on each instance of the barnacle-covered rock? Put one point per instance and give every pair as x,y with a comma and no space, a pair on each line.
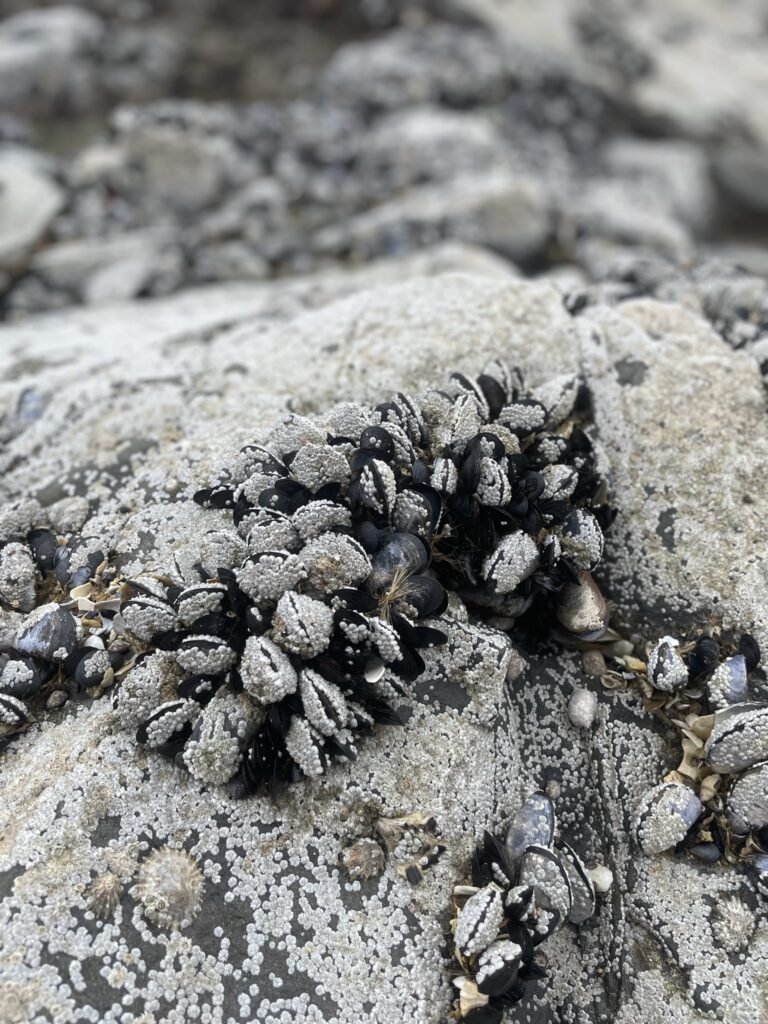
302,624
665,815
666,669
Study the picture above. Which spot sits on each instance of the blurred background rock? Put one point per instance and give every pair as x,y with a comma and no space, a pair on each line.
145,147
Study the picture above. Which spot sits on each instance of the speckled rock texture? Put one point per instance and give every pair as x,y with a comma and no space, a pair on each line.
130,407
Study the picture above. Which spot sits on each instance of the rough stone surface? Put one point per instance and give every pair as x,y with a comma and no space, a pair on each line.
280,928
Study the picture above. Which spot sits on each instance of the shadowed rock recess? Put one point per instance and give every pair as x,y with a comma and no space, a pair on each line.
217,227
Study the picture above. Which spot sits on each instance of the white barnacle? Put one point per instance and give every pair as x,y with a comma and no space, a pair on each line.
170,888
104,894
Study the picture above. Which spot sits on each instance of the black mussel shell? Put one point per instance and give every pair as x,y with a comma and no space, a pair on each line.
426,595
704,657
44,545
748,646
379,441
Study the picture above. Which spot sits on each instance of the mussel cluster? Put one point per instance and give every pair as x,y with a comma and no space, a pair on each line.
65,641
715,804
524,888
350,531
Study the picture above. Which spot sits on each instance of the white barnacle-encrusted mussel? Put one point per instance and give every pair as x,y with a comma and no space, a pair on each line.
271,530
152,680
17,576
147,616
266,671
747,801
306,746
213,751
558,397
513,561
523,417
267,576
559,482
493,486
199,600
347,419
324,705
302,625
666,669
665,815
334,561
445,475
315,465
13,713
582,886
200,654
582,539
533,825
292,433
377,487
728,684
479,921
739,737
169,886
497,967
319,517
543,869
168,722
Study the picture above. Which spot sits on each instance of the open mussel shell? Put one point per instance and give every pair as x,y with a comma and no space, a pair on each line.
582,609
533,825
582,886
665,816
728,683
747,801
739,737
543,869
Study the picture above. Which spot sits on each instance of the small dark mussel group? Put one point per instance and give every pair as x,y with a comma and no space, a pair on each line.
524,888
63,645
715,804
351,533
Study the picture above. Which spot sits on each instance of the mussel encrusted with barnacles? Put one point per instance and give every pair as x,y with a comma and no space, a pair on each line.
524,888
714,804
350,530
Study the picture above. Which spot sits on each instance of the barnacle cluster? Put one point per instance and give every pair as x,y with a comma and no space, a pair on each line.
349,534
714,804
525,887
62,586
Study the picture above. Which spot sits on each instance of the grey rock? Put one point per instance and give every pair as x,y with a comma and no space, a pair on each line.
29,201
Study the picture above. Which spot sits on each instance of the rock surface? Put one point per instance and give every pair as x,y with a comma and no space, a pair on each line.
281,930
